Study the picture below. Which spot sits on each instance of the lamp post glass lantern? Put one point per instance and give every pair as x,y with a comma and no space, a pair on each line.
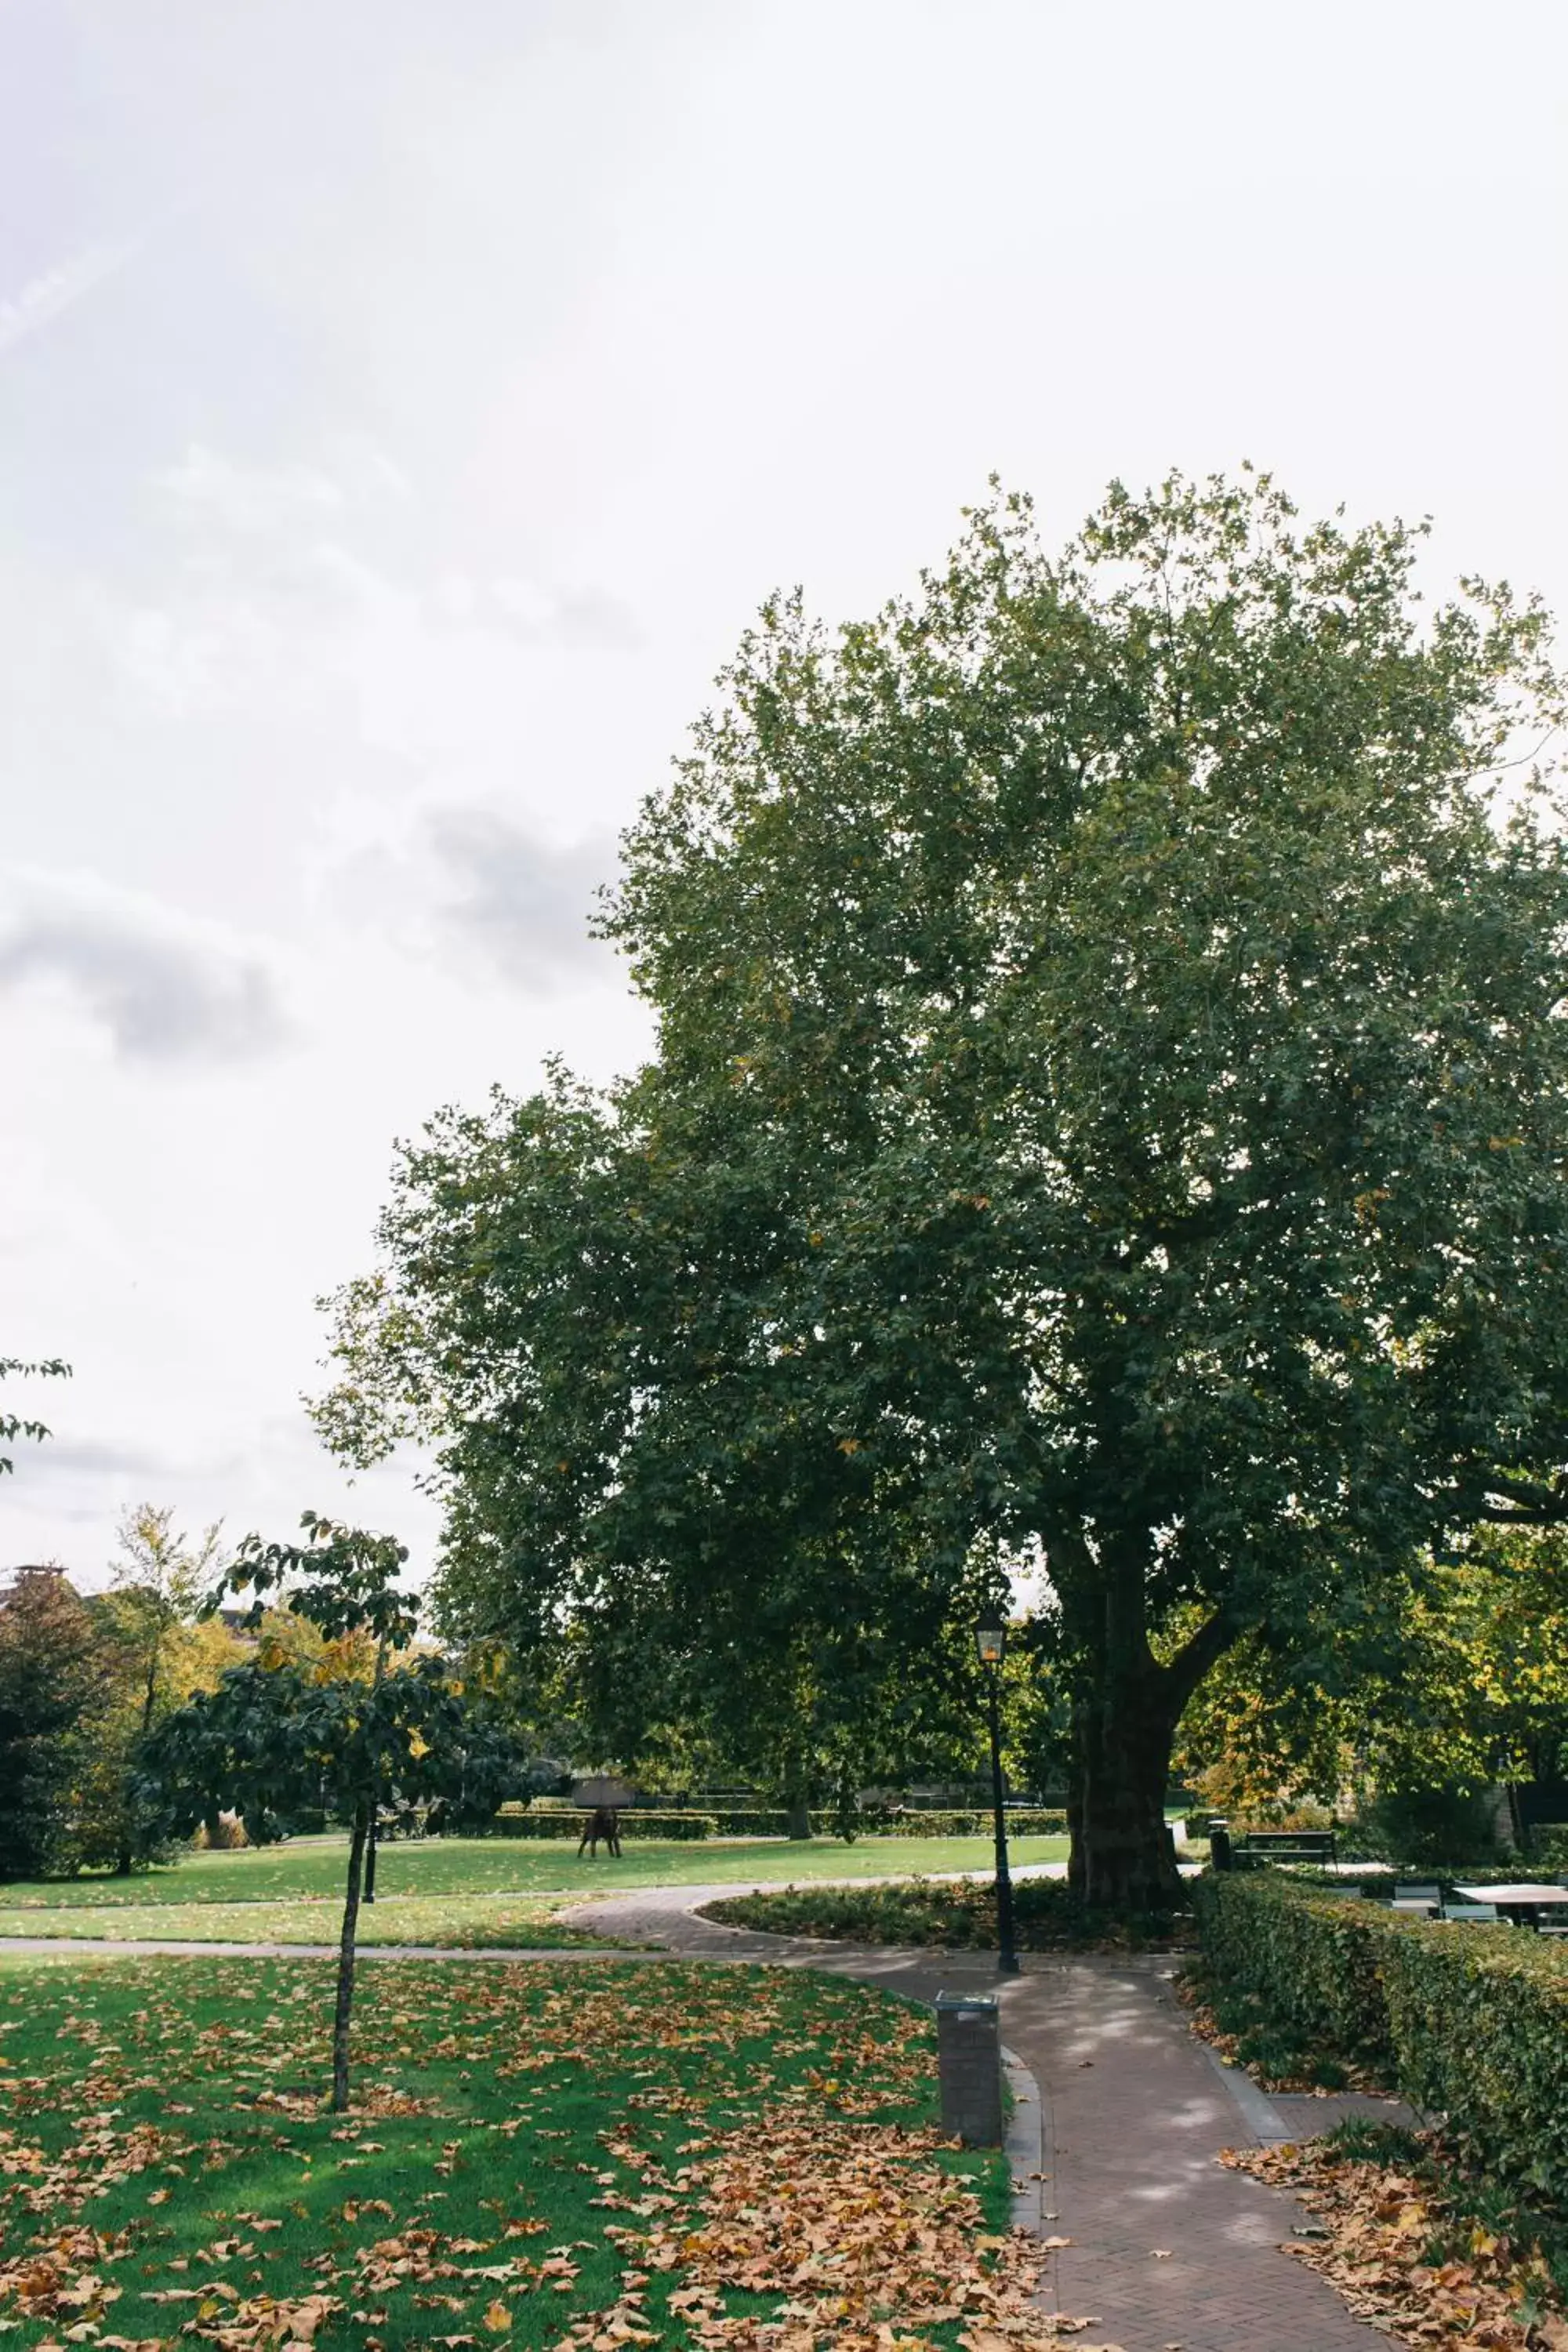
990,1644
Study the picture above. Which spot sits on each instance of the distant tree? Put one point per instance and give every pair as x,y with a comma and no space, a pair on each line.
147,1621
1459,1680
51,1672
277,1734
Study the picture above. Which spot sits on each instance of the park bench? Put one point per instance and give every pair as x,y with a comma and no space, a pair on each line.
1252,1848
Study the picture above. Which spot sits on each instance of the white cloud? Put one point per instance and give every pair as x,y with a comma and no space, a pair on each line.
523,904
208,488
476,888
167,986
53,291
591,619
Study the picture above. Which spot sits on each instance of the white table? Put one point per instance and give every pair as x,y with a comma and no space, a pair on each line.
1517,1897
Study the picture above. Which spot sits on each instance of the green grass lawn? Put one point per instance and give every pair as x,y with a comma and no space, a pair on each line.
614,2157
460,1921
310,1872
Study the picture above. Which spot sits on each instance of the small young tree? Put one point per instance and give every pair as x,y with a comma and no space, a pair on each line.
276,1734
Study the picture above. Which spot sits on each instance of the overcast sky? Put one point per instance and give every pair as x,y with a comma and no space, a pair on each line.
404,407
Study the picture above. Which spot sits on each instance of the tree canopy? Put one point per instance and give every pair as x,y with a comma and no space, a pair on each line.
1109,1100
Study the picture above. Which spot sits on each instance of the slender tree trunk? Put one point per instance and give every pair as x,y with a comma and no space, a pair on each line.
798,1809
344,2010
374,1788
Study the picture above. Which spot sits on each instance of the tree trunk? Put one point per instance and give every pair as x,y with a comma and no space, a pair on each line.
1124,1724
377,1680
347,1965
1122,1857
799,1812
125,1857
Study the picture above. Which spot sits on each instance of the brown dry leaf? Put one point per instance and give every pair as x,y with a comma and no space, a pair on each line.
1374,2222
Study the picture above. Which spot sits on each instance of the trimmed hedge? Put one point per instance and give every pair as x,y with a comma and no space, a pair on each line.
521,1824
551,1821
1022,1821
764,1820
1470,2023
637,1822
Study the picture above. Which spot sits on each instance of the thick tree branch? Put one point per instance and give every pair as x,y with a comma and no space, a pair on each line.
1183,1673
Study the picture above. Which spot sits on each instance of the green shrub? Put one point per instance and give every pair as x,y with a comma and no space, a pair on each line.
1549,1846
958,1916
1426,1829
1470,2025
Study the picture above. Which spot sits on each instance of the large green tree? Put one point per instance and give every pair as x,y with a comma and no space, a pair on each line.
1111,1097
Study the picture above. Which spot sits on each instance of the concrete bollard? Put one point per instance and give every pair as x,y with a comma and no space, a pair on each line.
968,2065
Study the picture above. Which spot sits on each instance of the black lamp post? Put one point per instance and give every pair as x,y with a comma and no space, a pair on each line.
990,1642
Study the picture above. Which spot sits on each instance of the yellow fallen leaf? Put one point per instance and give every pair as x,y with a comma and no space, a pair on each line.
497,2318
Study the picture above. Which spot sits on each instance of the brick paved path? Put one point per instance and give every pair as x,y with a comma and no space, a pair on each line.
1168,2249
